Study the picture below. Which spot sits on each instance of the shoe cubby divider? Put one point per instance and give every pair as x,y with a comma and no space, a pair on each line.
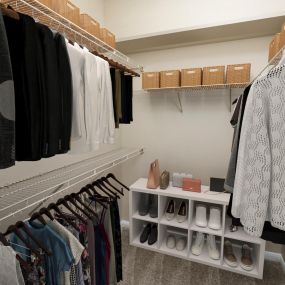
189,228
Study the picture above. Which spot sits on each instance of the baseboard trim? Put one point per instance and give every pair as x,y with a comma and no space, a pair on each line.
271,256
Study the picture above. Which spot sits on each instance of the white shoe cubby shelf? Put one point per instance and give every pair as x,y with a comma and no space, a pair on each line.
189,229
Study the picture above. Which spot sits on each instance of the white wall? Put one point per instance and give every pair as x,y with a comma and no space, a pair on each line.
135,18
199,140
93,7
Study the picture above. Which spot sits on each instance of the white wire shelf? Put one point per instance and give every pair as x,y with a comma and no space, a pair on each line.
201,87
33,192
55,21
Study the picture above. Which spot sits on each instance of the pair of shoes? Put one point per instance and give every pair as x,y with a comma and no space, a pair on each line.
179,243
149,234
148,205
230,259
211,245
181,214
215,220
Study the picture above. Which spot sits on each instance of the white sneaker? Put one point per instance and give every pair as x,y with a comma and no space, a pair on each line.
198,244
171,242
212,247
181,243
215,222
201,216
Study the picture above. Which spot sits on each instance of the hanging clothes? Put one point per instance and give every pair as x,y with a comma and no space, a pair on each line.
260,176
61,259
65,93
10,270
51,93
27,66
7,103
126,99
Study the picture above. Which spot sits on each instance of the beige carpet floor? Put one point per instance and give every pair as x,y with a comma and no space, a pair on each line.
144,267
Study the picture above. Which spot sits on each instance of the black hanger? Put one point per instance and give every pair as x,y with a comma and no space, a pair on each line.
77,198
111,194
26,229
38,216
105,180
14,229
23,263
73,202
100,182
65,204
111,175
45,211
97,194
54,207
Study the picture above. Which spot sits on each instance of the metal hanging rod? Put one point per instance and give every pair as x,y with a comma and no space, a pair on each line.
32,192
73,32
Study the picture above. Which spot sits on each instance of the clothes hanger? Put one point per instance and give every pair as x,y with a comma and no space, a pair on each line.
96,197
109,192
73,202
14,229
104,179
45,211
111,175
23,263
92,186
22,225
54,207
76,197
9,12
101,182
38,216
65,204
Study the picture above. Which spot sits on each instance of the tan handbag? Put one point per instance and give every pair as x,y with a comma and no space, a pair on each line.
153,175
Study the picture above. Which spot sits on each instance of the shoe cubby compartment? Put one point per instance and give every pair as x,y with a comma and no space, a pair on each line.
138,227
189,229
207,218
145,207
173,241
204,256
257,255
173,220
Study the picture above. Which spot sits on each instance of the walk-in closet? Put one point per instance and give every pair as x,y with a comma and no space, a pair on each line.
142,142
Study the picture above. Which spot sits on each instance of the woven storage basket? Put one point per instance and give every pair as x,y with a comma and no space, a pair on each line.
72,13
214,75
282,37
274,46
238,73
57,6
191,77
108,37
90,25
170,78
150,80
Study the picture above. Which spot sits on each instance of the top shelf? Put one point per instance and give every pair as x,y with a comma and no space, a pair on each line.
71,31
202,87
205,196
